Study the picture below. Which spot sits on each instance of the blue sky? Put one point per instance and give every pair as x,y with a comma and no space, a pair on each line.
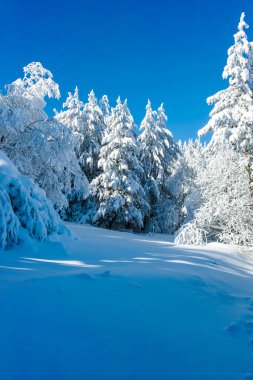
165,50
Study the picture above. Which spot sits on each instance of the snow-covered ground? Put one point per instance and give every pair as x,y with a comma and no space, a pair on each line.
110,305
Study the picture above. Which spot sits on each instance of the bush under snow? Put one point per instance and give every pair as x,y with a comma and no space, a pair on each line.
190,234
23,204
226,210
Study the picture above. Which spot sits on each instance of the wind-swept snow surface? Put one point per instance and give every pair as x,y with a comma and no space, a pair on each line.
118,306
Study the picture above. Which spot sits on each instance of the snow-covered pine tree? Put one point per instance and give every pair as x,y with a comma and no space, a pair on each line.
92,137
72,116
150,157
221,182
105,108
39,146
169,208
159,154
231,119
117,189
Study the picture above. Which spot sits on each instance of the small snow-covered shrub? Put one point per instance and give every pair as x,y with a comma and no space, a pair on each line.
23,204
189,233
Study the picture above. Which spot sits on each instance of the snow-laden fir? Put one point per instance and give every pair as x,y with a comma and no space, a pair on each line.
118,190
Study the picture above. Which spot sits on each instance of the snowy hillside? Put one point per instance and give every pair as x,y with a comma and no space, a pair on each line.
112,306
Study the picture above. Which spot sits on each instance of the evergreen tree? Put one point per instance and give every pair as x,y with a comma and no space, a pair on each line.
105,108
159,154
73,118
232,116
92,137
218,194
118,189
73,115
150,148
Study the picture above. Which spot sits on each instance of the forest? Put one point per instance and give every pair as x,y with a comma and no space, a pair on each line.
91,163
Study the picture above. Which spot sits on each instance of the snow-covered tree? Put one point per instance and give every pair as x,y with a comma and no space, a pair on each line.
105,108
158,153
150,148
88,122
118,189
170,148
231,119
92,137
221,195
36,84
39,146
192,164
72,116
226,211
23,204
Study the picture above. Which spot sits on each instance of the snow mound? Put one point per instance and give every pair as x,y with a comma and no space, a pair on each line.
23,204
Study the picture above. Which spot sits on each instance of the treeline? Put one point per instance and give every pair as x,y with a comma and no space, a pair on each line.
89,158
97,166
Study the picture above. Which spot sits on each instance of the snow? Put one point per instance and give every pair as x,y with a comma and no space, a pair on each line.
111,305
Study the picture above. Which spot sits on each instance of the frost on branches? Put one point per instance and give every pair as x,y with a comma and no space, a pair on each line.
118,190
23,205
39,146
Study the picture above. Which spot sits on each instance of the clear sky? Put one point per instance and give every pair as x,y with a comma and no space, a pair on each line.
166,50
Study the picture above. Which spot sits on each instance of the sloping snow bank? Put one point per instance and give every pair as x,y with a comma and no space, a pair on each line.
23,204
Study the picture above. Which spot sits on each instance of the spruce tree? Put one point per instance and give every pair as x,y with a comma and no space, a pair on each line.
92,137
105,108
158,154
117,189
231,119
